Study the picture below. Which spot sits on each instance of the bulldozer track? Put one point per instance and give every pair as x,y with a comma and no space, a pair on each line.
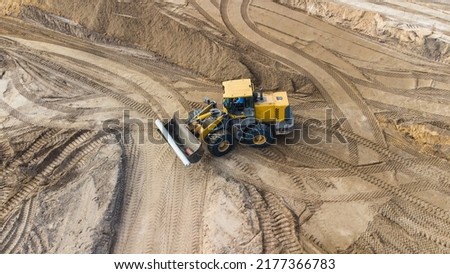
422,164
270,242
16,114
334,74
243,166
165,214
135,87
443,77
407,112
386,233
283,225
415,221
134,185
186,104
40,179
37,245
187,200
313,203
439,212
297,175
309,240
144,109
24,91
56,140
164,209
175,209
272,154
38,144
373,195
232,170
76,158
410,93
14,237
312,171
195,105
197,193
57,85
403,145
299,183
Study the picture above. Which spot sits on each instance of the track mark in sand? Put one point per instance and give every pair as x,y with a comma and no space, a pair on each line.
390,233
236,18
144,109
237,168
277,224
52,105
270,243
169,205
284,225
162,204
312,205
310,243
272,154
424,205
18,229
179,212
417,221
187,212
37,244
133,85
210,12
134,185
42,178
165,201
152,87
421,164
35,147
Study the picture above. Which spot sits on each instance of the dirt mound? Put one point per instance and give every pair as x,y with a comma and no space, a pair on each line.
430,137
424,41
144,25
63,184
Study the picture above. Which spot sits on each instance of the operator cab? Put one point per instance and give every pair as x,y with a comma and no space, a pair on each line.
238,97
239,106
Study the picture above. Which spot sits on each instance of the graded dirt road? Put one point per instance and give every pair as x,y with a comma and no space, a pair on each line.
380,192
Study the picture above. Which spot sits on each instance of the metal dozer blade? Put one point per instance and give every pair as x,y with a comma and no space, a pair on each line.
183,142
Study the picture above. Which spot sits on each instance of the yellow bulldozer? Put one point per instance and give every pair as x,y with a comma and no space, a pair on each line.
248,116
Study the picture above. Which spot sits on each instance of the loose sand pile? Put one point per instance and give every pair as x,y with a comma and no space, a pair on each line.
71,188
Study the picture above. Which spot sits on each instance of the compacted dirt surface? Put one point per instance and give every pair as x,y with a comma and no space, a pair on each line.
83,170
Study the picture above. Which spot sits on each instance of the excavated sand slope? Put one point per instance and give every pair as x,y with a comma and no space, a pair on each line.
71,187
417,25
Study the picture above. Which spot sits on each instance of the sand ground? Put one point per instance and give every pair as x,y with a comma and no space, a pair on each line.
70,185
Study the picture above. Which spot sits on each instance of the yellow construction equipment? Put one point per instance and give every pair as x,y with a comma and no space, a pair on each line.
248,116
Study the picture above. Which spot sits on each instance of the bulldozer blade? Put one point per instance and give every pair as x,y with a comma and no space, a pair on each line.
185,145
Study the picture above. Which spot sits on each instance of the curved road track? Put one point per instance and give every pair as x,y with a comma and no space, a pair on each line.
358,196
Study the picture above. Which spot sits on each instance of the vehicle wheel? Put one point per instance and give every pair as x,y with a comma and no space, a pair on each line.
220,143
260,136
